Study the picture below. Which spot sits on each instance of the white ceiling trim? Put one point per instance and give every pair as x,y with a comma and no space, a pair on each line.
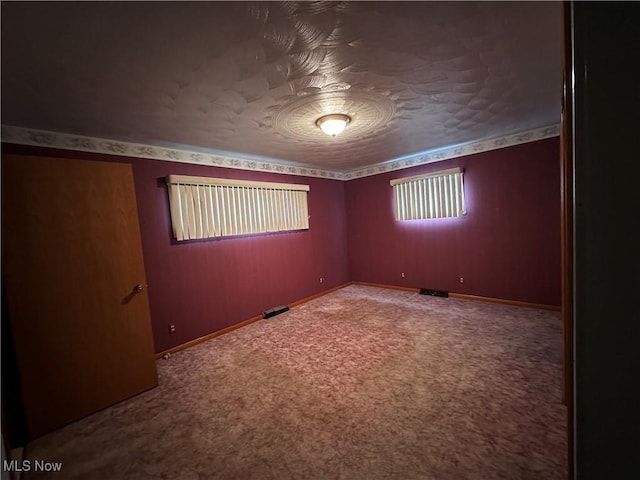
44,138
446,153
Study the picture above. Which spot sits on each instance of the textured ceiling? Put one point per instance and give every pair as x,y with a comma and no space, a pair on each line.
252,77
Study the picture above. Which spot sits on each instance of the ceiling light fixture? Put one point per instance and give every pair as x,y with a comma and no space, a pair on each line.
333,124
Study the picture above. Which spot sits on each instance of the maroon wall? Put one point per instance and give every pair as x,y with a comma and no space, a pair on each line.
206,285
507,246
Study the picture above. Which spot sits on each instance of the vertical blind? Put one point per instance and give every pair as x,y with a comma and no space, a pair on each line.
434,195
203,207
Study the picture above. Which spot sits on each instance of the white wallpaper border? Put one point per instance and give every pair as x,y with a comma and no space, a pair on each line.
29,136
44,138
440,154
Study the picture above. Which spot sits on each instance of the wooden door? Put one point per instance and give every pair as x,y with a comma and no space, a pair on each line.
71,258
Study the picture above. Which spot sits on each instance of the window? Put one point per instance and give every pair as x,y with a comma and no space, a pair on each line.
204,207
434,195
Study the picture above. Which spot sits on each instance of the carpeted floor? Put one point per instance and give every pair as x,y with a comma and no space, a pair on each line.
363,383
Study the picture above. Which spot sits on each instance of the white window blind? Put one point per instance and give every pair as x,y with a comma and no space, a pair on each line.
203,207
434,195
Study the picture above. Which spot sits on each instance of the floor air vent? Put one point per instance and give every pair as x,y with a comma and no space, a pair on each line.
433,293
272,312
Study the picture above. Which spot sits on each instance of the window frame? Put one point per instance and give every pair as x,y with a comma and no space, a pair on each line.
207,207
431,195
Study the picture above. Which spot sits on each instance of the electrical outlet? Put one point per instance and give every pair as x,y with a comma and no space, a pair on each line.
402,274
172,328
461,279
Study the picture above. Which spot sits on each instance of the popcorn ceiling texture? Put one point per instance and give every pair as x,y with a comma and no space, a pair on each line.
252,78
363,383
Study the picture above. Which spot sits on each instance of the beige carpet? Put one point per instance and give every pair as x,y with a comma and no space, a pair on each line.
363,383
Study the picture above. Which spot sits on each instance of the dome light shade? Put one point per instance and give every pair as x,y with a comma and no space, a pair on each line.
333,124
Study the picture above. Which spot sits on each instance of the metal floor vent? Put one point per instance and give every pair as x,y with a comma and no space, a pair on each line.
433,293
272,312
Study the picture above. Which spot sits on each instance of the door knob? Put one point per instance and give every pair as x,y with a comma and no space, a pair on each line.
138,288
